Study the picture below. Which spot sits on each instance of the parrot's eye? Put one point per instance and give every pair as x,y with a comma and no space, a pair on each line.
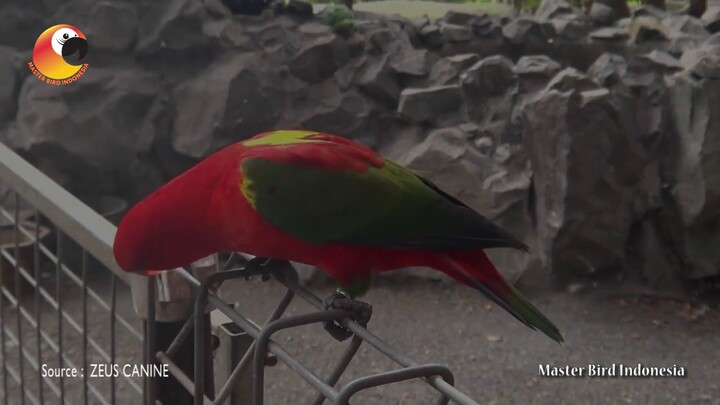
66,36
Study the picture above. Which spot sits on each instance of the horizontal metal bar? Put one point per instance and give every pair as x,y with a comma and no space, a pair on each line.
344,362
177,372
48,298
291,283
33,362
88,228
181,336
244,362
273,347
16,376
387,377
73,277
284,323
395,355
46,337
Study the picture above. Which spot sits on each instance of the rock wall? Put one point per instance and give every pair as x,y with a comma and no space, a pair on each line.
591,137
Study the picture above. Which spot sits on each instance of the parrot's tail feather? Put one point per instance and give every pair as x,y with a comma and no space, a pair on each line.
478,272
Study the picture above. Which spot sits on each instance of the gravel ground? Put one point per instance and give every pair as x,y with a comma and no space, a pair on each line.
495,359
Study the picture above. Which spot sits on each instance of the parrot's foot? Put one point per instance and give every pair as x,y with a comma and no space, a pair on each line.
362,310
259,265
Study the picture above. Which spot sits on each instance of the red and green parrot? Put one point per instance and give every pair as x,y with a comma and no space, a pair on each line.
322,200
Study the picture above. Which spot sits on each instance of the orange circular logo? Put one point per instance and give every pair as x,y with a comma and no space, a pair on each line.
58,53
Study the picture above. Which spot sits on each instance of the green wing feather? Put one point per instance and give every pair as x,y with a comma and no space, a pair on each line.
386,207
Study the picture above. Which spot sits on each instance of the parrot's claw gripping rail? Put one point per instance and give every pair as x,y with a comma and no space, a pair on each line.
437,376
339,300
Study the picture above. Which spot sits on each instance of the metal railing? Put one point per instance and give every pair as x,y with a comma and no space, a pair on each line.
55,316
41,274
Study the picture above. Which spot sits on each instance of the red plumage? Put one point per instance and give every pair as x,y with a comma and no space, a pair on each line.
204,211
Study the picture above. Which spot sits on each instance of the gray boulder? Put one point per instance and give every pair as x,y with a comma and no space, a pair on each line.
602,13
21,26
9,84
331,110
583,182
430,103
112,25
687,25
231,100
649,28
534,71
432,36
537,65
655,61
377,79
319,59
486,27
489,88
412,62
278,40
711,19
571,26
173,25
550,9
608,69
704,61
568,21
524,30
116,116
448,69
610,34
655,249
456,33
695,170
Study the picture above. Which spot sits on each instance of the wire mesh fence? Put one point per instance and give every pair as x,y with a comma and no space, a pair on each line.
71,331
61,312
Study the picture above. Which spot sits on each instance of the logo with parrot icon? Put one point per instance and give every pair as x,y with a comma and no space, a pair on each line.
58,54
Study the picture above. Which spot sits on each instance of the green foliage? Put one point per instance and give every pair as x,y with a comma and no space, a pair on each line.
339,17
454,1
344,27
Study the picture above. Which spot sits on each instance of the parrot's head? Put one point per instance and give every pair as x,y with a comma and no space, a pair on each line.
172,227
136,247
161,234
59,51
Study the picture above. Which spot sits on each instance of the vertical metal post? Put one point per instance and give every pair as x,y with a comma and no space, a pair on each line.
202,373
86,370
170,390
2,335
58,297
113,300
234,343
18,296
150,346
36,296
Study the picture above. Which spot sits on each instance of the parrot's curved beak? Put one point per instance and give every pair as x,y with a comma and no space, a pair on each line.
74,45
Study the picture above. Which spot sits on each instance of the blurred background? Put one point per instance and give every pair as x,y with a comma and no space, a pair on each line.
587,129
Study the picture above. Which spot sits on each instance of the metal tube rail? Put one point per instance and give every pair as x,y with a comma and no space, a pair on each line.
441,381
66,211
